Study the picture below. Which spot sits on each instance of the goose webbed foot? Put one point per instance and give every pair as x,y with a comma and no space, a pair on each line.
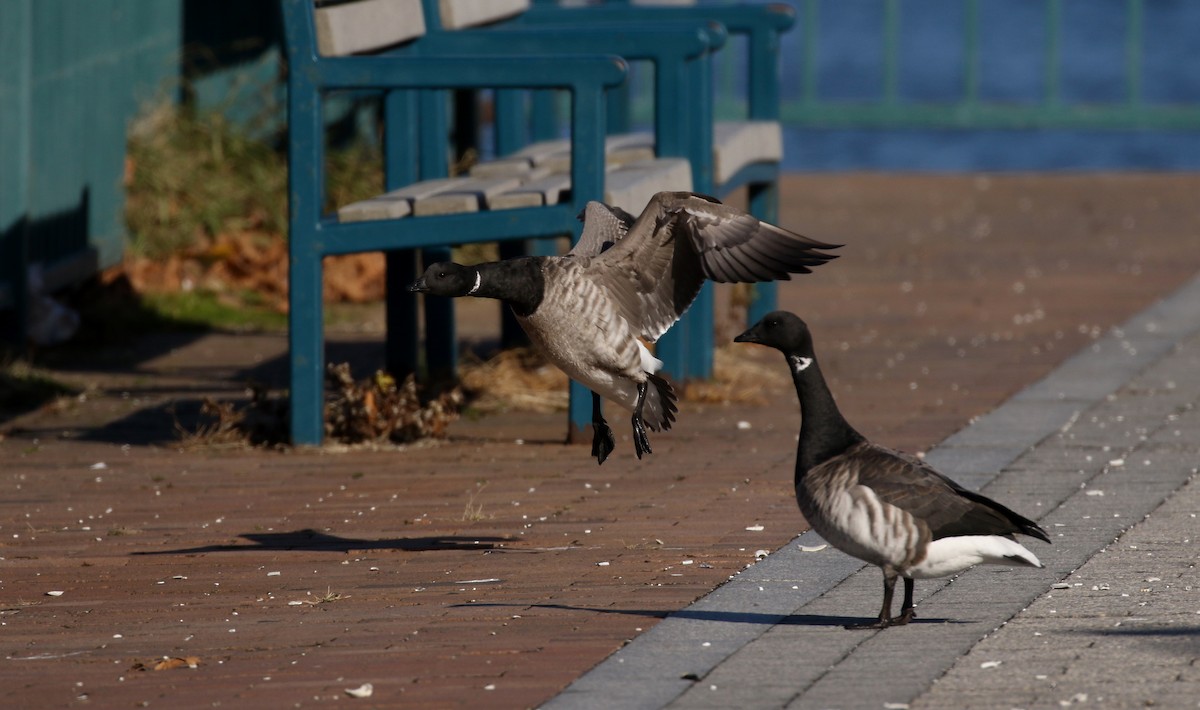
885,614
603,442
641,444
907,611
877,624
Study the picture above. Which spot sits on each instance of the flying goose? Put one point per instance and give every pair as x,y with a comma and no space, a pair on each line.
880,505
625,281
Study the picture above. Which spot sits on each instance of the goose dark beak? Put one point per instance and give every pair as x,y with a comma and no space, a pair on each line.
418,286
750,336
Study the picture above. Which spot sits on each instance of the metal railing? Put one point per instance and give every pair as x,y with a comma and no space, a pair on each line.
804,105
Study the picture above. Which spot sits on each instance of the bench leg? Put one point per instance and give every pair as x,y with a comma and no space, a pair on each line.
307,349
441,347
401,349
579,413
511,333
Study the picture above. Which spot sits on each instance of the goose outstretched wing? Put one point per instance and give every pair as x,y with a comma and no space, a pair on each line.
682,238
603,226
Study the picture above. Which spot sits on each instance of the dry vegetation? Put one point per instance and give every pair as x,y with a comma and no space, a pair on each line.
206,213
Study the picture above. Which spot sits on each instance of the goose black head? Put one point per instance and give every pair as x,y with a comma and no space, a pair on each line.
447,279
780,330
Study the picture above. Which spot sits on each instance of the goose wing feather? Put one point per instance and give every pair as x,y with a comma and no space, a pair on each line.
946,507
682,238
603,226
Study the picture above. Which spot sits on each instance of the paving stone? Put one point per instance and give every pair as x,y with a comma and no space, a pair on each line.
916,325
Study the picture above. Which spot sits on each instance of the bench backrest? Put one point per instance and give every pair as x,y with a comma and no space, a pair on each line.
370,25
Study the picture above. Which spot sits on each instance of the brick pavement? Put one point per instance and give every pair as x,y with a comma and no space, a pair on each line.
953,294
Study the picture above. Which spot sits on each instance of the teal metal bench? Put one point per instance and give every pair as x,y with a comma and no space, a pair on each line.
724,155
383,46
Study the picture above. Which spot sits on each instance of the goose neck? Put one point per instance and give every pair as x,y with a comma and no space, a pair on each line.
518,282
824,432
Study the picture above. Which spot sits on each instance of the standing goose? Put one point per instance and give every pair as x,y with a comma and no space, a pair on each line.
880,505
628,280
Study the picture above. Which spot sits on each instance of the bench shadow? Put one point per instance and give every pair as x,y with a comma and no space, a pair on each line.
729,617
314,541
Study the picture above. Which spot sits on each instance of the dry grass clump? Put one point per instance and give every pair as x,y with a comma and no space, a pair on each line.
519,379
379,410
376,410
261,422
736,379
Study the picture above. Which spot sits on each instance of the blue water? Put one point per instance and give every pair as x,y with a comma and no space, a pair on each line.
1012,68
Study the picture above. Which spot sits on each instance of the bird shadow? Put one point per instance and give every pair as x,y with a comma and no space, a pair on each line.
729,617
314,541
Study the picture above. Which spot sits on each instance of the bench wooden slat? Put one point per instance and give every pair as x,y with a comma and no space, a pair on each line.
394,204
458,14
367,25
631,186
546,190
466,195
737,144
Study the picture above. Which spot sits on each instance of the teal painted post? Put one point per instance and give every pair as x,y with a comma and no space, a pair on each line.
764,204
587,183
510,120
543,119
441,345
765,105
698,332
510,136
401,345
672,135
306,182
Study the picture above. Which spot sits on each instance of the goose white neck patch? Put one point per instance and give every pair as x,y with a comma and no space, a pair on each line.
475,288
799,364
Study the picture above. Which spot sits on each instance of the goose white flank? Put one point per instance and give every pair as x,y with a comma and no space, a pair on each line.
882,506
626,281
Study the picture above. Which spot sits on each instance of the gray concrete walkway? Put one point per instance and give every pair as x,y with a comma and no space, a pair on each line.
1103,452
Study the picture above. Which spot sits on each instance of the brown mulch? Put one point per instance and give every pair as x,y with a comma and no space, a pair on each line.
251,261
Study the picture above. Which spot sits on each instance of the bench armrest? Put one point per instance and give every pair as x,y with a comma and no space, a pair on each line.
674,42
740,19
579,72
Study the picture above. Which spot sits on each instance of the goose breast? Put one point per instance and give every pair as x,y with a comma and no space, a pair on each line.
578,328
856,521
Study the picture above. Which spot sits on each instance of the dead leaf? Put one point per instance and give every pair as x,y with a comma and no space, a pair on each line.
167,663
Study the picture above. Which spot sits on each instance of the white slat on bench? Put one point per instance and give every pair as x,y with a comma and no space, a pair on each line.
631,186
509,167
394,204
367,25
737,144
466,195
457,14
547,190
618,150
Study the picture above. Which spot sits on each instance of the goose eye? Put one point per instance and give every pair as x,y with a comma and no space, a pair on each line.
441,274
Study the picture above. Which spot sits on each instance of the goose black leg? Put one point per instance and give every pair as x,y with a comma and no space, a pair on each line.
640,443
907,612
602,435
885,614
